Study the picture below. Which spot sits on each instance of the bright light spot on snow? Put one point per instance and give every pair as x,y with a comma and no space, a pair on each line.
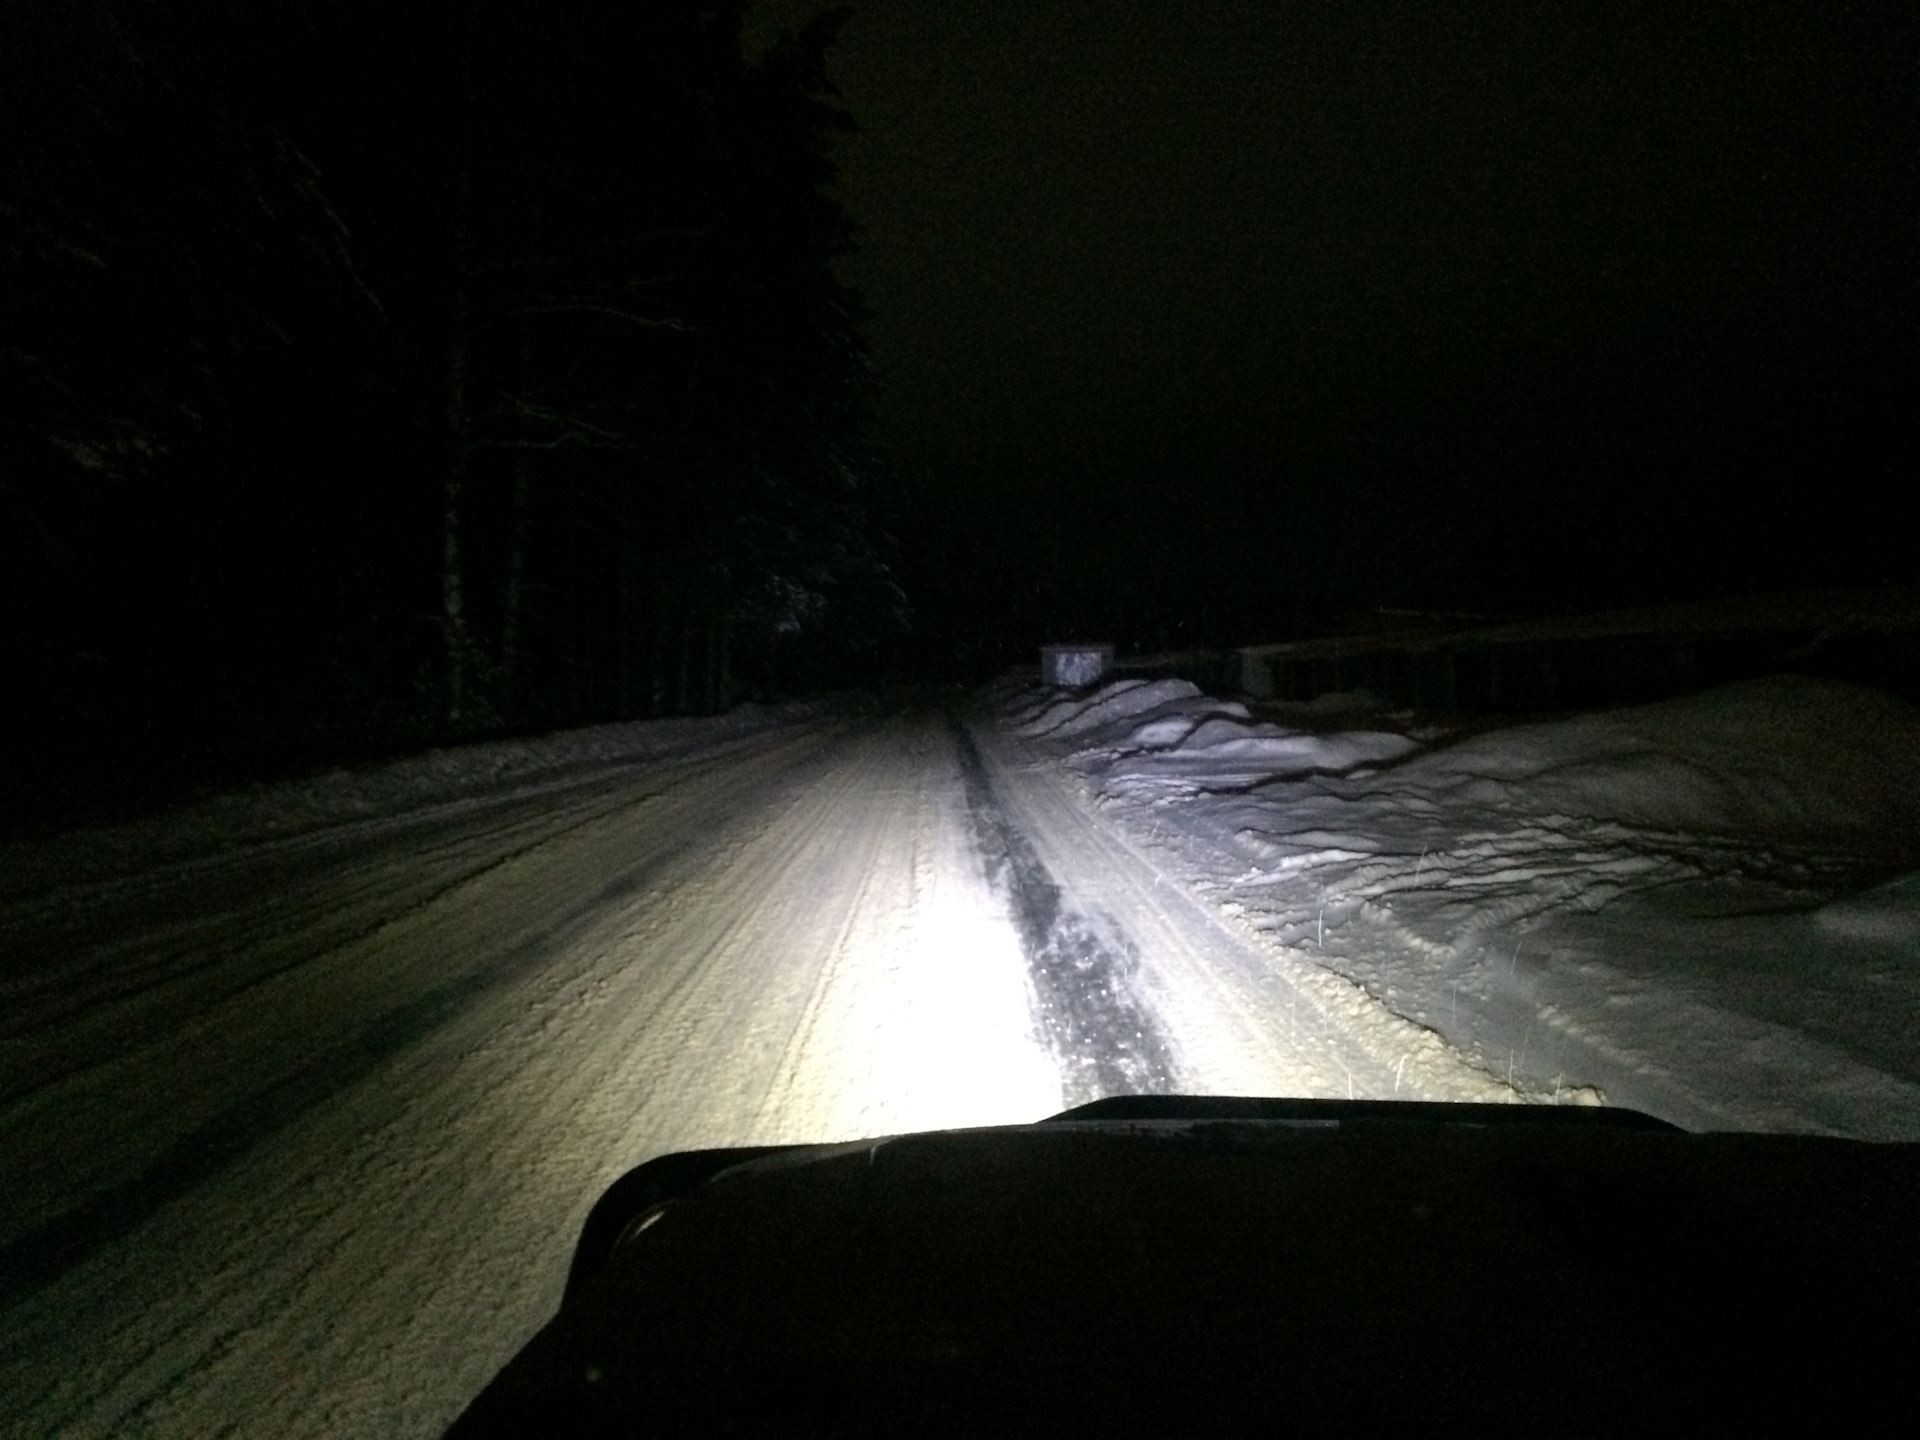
856,977
937,1029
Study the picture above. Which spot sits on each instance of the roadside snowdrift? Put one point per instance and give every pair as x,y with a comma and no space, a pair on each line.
406,788
1686,905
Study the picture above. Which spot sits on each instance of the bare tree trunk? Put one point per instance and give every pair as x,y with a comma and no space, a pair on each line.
453,614
662,635
517,552
683,690
722,633
708,675
623,626
453,610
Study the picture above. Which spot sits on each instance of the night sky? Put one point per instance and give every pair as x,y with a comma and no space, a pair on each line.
1219,320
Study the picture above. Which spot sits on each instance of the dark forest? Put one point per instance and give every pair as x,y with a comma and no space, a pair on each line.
379,375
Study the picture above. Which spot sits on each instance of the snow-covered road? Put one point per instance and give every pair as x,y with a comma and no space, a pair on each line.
304,1095
299,1134
299,1129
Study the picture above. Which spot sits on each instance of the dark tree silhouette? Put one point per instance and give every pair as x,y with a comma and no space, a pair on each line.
377,373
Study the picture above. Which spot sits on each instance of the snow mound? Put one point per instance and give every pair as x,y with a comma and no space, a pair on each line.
1188,755
1124,699
1786,754
1165,726
394,788
1170,734
1290,752
1888,914
1160,734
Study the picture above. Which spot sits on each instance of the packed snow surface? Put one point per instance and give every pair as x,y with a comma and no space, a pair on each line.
305,1090
304,1096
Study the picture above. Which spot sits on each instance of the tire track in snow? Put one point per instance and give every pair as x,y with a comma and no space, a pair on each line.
1107,1040
1244,1016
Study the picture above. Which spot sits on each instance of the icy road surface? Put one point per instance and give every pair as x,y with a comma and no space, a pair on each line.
300,1116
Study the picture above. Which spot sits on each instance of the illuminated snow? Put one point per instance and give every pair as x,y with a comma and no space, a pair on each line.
318,1081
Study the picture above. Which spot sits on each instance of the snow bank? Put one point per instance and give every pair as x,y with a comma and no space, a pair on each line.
436,777
1168,734
1786,755
1281,751
1119,701
1886,914
1684,906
